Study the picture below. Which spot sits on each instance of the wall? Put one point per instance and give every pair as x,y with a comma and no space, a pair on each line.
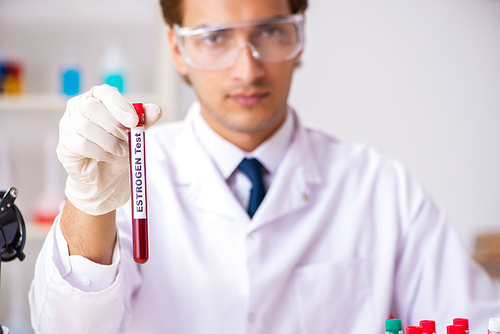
42,33
419,81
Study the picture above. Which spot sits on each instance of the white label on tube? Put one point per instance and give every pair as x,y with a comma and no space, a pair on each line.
138,172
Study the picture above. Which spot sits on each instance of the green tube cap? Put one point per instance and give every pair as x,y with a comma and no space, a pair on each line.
393,325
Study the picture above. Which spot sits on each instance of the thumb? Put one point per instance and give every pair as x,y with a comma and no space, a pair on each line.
152,113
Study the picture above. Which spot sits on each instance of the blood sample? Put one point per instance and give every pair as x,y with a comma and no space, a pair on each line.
137,166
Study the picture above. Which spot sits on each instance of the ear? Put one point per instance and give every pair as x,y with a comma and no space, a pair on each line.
181,66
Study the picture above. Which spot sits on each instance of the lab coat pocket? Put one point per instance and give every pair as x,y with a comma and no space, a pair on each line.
334,297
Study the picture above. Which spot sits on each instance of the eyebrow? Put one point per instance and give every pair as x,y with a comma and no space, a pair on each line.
209,25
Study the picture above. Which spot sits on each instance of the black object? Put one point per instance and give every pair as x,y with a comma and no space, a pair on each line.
12,227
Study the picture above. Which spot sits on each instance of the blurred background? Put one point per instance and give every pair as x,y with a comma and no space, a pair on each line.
417,80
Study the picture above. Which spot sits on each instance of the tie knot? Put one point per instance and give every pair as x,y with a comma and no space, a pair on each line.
252,168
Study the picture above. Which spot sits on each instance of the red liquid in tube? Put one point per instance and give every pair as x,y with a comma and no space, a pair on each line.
137,167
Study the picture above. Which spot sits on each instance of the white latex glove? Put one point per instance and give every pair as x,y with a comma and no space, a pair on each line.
93,148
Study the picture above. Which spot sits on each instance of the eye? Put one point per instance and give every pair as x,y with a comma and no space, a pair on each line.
213,38
271,31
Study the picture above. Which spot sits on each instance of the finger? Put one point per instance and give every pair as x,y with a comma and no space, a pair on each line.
94,133
117,104
152,113
73,147
92,109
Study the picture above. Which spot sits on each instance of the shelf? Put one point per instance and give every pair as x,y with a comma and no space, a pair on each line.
57,103
32,102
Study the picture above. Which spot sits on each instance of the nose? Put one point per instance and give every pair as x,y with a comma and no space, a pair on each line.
247,69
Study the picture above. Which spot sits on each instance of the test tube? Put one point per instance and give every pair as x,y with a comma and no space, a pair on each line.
393,326
494,326
454,329
137,167
428,326
464,322
413,330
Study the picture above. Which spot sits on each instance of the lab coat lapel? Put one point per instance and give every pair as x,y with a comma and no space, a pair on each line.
291,188
207,188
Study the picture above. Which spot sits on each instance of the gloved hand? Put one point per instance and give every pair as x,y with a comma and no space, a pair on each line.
93,148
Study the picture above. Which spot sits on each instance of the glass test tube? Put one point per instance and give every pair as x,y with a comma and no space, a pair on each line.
137,166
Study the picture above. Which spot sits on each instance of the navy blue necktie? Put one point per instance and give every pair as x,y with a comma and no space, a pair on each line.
253,169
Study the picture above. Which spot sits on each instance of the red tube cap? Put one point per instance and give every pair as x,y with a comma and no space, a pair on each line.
413,330
139,108
454,329
462,321
428,326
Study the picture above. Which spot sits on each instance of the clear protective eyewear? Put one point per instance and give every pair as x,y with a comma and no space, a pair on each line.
218,46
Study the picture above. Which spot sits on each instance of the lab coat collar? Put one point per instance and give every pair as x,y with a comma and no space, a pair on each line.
291,188
207,188
289,191
226,156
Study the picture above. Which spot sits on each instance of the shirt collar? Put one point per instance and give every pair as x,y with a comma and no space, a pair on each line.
227,156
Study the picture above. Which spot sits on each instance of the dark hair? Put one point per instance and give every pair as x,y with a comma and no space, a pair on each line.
172,9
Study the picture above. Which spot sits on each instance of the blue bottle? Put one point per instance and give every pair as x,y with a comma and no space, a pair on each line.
71,81
113,68
70,76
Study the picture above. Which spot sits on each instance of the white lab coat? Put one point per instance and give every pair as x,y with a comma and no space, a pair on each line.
343,239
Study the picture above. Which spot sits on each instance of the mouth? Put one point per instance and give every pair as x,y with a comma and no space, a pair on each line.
248,100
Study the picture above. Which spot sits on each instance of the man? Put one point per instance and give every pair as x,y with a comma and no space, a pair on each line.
341,239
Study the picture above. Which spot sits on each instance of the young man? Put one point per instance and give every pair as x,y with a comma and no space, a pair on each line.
257,224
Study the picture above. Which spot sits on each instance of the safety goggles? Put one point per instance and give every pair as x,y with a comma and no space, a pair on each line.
218,46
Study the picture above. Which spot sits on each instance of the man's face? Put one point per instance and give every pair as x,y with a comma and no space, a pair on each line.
249,97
